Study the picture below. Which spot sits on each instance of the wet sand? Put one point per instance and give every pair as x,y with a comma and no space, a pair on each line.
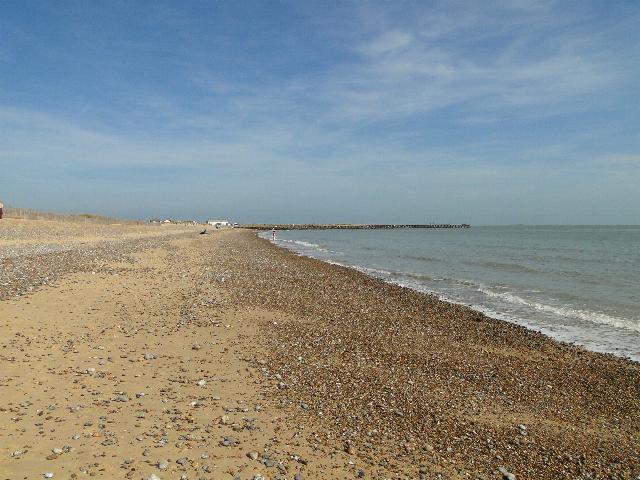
222,356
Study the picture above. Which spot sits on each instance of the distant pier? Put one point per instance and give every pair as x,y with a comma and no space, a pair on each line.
350,226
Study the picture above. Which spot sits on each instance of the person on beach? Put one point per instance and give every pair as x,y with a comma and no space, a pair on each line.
273,234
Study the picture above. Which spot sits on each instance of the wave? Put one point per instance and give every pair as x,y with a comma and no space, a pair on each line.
584,315
422,258
300,242
509,267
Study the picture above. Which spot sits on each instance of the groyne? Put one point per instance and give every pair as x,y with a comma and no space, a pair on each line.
350,226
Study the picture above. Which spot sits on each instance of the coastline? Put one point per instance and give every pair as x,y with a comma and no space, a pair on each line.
443,381
561,303
355,376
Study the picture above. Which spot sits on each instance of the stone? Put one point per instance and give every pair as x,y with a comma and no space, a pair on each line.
163,464
253,455
201,383
506,474
229,441
182,461
48,475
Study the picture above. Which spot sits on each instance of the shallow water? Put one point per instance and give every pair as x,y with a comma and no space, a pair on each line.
579,284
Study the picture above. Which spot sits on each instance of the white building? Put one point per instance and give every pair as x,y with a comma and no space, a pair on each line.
218,223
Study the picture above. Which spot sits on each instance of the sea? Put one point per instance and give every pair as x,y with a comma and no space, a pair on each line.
578,284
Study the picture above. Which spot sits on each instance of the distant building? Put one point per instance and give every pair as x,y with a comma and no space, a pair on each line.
218,223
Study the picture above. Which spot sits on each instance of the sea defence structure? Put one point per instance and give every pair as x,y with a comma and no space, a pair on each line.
349,226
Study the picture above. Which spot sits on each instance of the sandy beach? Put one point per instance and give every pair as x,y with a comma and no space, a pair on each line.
147,352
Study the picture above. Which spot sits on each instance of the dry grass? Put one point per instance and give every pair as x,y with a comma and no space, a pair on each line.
30,214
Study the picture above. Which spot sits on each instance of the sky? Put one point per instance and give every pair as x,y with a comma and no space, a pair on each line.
519,111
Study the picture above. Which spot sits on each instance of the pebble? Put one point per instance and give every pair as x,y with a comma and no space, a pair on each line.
163,464
201,383
48,475
506,474
253,455
229,441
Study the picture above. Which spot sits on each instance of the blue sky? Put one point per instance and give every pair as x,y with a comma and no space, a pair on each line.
481,112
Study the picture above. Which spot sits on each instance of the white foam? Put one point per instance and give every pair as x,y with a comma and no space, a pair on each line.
584,315
304,244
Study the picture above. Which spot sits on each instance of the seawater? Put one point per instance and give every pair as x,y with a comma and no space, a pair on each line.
579,284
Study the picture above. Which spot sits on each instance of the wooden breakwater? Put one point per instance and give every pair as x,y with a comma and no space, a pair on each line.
350,226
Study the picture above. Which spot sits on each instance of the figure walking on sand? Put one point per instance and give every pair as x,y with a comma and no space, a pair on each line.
273,234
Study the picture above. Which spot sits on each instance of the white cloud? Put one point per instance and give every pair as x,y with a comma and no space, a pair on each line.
387,42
